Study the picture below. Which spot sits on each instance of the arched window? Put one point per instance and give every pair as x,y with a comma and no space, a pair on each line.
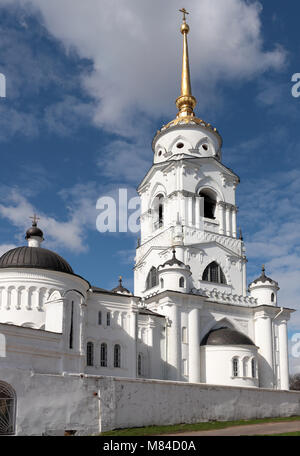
184,335
209,203
99,318
245,367
90,354
161,283
181,282
214,273
140,364
253,368
151,278
7,409
272,297
158,211
71,335
117,355
103,355
235,367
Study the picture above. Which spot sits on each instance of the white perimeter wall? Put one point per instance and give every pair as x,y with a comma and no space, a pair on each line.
50,404
147,402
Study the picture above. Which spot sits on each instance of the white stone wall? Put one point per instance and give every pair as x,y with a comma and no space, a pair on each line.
217,365
121,331
37,350
24,292
50,404
174,402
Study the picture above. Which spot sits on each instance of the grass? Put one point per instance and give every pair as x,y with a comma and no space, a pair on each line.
171,429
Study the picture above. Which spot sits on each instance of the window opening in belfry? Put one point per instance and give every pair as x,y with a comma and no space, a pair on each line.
160,211
213,273
209,204
151,278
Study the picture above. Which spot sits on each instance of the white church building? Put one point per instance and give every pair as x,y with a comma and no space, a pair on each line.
192,320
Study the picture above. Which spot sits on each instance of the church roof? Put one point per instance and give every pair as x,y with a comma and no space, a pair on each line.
120,288
226,336
145,311
263,278
34,257
174,261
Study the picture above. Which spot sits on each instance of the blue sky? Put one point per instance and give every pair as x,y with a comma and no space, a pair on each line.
88,85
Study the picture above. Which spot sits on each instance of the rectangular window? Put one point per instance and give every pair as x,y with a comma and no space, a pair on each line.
140,364
103,355
184,367
90,354
117,356
108,319
235,367
253,368
184,335
99,318
71,327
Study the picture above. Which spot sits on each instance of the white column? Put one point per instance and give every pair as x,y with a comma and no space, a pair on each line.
190,211
174,344
283,355
194,346
228,227
182,210
221,216
5,299
263,339
133,334
197,212
233,220
150,345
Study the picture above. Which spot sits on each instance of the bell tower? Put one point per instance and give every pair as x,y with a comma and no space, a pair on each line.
188,203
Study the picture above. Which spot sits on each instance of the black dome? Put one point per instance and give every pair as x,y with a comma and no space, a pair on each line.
263,278
226,336
120,288
34,231
173,261
34,257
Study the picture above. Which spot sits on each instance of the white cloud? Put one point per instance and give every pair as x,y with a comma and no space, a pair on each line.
13,121
271,211
5,247
64,117
68,234
135,48
124,161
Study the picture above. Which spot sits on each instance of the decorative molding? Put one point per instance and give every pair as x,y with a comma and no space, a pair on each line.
225,298
228,181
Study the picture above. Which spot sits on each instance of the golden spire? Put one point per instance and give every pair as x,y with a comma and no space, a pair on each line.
186,102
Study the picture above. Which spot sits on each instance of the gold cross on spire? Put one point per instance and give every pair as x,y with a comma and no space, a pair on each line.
184,12
35,218
185,102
